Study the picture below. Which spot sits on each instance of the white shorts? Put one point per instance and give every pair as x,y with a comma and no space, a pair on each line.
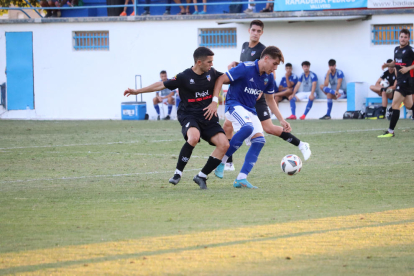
305,95
238,116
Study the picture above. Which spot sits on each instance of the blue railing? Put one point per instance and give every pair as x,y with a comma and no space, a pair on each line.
389,34
221,38
91,41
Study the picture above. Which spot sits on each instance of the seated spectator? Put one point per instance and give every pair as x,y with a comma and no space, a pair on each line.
164,96
269,6
335,78
125,8
385,91
307,83
287,84
74,3
185,10
196,7
250,7
168,8
52,4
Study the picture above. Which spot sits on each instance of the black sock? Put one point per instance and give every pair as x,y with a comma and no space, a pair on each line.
384,108
412,107
211,164
290,138
394,118
230,160
184,156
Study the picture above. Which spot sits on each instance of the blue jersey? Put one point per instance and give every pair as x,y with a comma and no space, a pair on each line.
247,84
306,82
293,78
333,79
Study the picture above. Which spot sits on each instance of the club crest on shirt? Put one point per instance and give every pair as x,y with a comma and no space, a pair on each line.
191,81
208,77
266,81
253,52
246,117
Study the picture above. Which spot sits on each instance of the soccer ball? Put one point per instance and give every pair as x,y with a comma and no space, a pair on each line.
291,164
385,83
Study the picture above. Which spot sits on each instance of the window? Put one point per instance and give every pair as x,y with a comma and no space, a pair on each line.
214,38
91,41
388,34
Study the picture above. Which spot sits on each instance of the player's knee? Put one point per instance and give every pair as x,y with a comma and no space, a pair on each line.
224,145
248,128
193,139
259,139
155,100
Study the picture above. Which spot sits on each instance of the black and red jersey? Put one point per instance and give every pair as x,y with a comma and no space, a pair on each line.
196,91
404,57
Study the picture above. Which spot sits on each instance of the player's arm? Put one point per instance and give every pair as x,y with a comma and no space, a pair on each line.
394,86
313,89
211,110
151,88
406,69
289,83
326,83
275,110
233,64
386,65
338,86
378,82
297,86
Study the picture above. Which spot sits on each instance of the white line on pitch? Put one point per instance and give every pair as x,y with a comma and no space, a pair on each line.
90,176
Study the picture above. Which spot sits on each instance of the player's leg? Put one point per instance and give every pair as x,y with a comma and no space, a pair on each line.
385,98
330,95
285,93
256,142
191,133
219,139
376,89
293,108
305,96
396,103
228,129
156,101
170,102
242,124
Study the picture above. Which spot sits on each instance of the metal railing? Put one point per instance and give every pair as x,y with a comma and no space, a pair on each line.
388,34
218,38
98,40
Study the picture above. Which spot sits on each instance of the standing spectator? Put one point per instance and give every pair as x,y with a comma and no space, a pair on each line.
196,7
390,76
165,96
250,7
185,10
52,4
146,8
336,79
168,8
269,6
125,9
307,83
287,84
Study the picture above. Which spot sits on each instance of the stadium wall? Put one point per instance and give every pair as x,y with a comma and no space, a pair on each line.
71,84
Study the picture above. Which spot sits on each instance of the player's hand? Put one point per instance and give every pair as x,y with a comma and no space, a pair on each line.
290,97
130,91
385,65
210,111
286,126
311,97
233,64
337,94
403,70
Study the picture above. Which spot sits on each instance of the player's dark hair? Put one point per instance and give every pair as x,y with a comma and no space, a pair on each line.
331,62
288,65
201,53
389,60
405,31
273,52
163,72
307,63
257,23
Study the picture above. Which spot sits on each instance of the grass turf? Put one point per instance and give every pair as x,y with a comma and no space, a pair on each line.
67,187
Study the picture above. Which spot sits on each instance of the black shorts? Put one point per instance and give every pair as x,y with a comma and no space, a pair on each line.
262,110
207,128
405,89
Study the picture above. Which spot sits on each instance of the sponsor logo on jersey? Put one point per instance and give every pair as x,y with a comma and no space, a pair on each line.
192,81
253,52
266,80
208,77
252,80
246,117
252,91
200,96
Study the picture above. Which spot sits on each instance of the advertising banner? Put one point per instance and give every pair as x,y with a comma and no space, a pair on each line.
384,4
308,5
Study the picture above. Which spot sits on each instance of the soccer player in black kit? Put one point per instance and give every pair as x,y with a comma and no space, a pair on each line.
197,112
251,51
404,64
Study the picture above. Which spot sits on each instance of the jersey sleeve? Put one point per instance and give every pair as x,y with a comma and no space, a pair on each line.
314,77
236,72
412,53
270,88
340,74
294,79
174,83
383,76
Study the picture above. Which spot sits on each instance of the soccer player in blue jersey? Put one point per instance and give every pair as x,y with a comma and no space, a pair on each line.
307,83
287,84
336,79
248,80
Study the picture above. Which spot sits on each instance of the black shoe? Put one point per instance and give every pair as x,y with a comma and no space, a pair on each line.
175,179
54,14
167,12
325,117
158,118
48,14
382,114
167,117
201,181
146,13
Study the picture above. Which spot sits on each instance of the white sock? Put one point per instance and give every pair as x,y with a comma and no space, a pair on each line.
224,160
301,144
178,172
200,174
390,130
241,176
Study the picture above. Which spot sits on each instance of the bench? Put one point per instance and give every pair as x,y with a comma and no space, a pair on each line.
378,100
